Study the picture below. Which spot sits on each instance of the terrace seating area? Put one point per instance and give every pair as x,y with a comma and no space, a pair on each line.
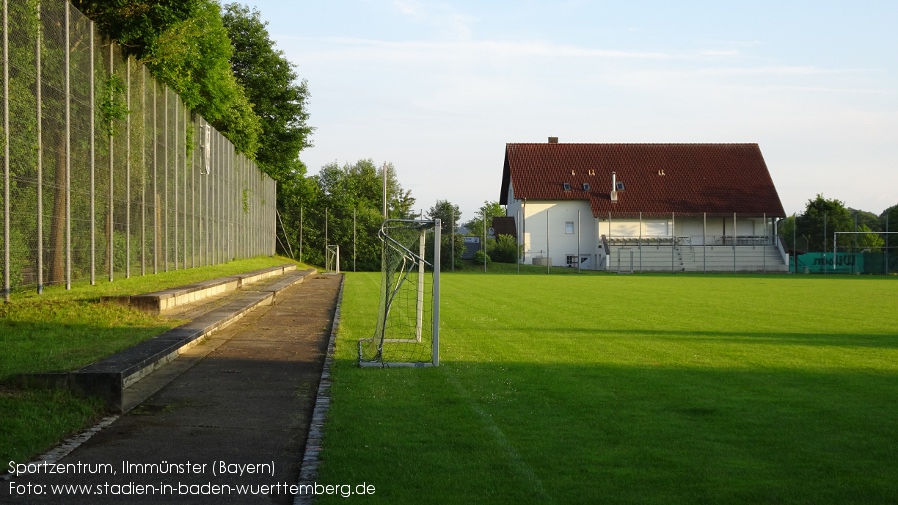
679,254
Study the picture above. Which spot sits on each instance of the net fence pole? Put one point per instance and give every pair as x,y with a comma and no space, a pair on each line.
300,232
835,239
193,175
824,244
68,149
6,246
673,243
165,210
704,242
639,242
109,216
437,232
578,241
40,152
155,143
734,241
93,167
176,190
795,242
548,255
143,171
128,169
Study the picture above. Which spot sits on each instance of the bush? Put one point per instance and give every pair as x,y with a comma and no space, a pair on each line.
504,249
478,258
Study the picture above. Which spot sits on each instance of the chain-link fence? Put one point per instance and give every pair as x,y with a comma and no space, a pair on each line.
105,172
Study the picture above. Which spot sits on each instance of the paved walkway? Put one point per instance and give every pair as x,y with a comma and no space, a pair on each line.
235,412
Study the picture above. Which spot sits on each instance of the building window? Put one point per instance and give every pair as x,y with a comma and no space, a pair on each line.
571,260
569,227
585,186
566,186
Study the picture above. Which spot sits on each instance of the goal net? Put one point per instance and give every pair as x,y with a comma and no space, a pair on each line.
407,332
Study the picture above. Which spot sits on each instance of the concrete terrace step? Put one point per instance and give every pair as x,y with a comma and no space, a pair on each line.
108,378
167,299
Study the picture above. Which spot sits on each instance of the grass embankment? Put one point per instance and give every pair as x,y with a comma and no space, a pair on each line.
62,330
628,389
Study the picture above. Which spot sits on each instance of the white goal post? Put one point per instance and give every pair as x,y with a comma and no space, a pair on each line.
408,320
837,233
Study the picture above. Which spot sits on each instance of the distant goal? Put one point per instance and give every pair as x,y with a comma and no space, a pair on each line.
408,323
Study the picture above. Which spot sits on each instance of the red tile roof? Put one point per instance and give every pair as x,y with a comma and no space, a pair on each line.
717,179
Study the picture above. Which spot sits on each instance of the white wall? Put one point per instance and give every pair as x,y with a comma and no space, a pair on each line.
562,243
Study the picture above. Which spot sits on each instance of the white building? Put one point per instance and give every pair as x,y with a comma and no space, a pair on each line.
644,207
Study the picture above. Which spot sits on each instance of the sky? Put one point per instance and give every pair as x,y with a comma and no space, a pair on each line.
437,88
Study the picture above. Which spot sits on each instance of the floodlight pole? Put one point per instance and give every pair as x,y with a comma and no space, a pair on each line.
578,241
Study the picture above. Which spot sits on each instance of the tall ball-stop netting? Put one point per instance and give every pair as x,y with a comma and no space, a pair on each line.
407,331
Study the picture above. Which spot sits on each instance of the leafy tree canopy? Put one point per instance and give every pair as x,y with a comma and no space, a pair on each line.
487,211
889,218
136,24
186,46
448,213
269,81
820,219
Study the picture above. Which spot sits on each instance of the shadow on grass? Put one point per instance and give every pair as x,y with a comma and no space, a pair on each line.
564,433
880,341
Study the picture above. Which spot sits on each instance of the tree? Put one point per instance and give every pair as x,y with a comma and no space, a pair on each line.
269,81
193,58
889,217
449,216
185,45
487,212
136,24
346,204
864,218
869,242
504,249
447,213
820,219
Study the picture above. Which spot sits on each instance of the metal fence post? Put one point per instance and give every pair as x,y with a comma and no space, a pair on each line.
175,159
128,169
184,162
155,178
68,149
6,246
143,171
734,241
165,212
110,259
40,152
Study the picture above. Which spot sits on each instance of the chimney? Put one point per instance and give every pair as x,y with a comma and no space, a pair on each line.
614,186
553,140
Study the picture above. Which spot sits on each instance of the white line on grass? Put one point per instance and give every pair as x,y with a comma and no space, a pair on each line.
518,463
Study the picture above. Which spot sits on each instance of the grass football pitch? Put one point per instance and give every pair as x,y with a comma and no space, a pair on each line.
627,389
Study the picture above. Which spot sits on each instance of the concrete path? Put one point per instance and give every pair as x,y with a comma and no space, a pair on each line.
231,428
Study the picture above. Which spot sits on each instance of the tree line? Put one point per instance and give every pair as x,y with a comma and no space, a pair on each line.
812,230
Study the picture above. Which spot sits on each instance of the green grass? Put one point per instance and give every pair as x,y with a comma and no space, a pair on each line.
62,330
628,389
